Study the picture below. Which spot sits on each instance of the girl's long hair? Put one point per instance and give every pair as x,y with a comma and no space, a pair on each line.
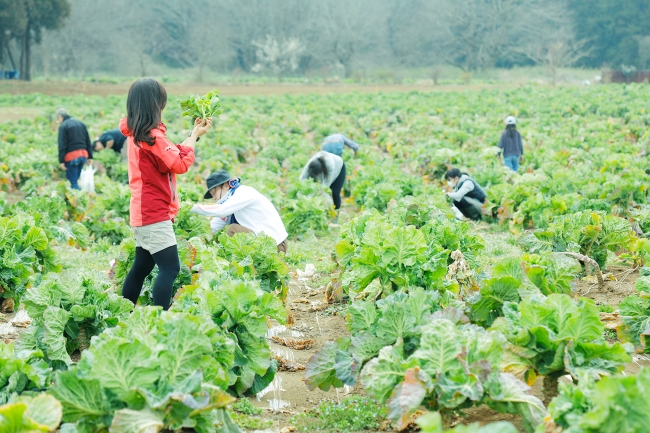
144,105
512,130
317,167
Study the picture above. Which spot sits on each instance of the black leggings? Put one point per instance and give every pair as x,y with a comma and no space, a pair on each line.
168,268
467,209
337,186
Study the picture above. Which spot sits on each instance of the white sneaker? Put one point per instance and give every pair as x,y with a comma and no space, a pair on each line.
459,215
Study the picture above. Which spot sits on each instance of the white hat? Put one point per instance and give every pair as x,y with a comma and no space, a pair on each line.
510,120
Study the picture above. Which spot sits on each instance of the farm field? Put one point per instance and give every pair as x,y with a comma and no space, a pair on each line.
395,316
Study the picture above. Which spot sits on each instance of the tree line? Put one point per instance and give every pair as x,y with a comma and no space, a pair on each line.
132,37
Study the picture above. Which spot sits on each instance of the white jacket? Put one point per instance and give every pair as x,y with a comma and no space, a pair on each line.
251,210
333,163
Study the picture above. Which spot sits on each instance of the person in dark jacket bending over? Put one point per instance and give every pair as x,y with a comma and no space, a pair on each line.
511,145
468,196
335,143
74,146
111,139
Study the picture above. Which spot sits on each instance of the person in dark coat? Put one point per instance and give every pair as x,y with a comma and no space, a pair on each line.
111,139
511,145
74,146
468,196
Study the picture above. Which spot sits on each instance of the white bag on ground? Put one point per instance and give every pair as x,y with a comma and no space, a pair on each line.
87,179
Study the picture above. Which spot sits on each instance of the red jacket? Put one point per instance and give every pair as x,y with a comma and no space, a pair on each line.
152,176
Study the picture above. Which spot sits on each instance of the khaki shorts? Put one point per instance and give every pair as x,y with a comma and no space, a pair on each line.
155,237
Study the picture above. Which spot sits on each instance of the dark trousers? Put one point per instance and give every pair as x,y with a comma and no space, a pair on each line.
169,266
73,171
336,188
467,209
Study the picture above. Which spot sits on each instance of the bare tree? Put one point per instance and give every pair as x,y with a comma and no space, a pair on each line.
278,57
561,53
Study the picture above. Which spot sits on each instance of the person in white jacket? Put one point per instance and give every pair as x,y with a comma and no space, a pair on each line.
328,169
241,209
468,196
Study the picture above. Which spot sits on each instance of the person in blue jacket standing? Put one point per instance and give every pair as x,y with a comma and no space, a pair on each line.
335,143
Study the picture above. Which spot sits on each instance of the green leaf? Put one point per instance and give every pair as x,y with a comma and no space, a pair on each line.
122,366
407,397
493,295
137,421
184,348
440,345
361,315
380,375
584,325
319,371
516,397
43,411
55,320
81,398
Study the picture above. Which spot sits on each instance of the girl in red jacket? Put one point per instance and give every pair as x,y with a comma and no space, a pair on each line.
154,162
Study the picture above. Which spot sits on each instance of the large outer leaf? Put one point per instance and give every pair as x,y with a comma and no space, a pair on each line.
361,315
137,421
494,294
619,404
122,366
440,344
404,246
44,411
184,349
514,396
46,294
583,325
12,418
81,398
320,372
54,322
382,374
635,322
407,396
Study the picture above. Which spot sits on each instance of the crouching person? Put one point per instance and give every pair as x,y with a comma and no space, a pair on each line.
468,196
241,209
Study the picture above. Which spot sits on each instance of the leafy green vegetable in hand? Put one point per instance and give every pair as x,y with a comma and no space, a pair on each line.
202,106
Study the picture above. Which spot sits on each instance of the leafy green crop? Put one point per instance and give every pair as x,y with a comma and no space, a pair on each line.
554,335
634,311
590,233
432,423
156,369
24,251
41,413
202,106
397,255
613,404
21,372
240,309
410,352
67,309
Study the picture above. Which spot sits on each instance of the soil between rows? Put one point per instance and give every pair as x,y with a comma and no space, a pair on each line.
289,395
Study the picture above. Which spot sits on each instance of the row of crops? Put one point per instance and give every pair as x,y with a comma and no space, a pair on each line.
434,321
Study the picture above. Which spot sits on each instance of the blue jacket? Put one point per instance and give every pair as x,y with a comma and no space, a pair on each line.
334,144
